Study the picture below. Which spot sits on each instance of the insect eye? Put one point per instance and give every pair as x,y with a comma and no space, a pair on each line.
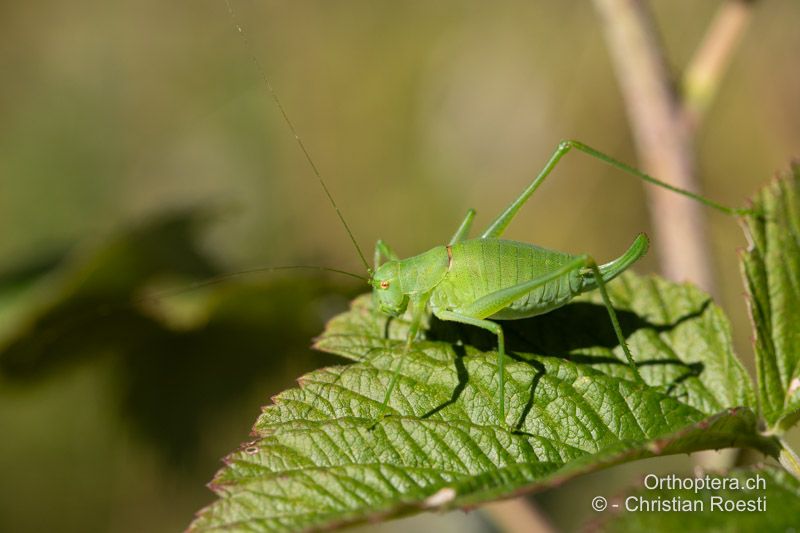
384,284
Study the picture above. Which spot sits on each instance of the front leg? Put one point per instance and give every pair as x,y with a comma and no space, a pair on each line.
418,306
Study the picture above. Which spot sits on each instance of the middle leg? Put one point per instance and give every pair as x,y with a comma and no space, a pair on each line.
475,314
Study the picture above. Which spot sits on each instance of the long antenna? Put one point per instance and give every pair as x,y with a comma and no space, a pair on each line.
230,275
54,333
288,121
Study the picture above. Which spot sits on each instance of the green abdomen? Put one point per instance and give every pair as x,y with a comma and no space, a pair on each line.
482,266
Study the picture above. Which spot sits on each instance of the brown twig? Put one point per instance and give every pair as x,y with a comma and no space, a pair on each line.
664,123
704,74
518,516
663,140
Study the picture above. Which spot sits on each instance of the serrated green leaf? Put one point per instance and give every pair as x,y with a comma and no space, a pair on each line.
319,459
772,272
772,495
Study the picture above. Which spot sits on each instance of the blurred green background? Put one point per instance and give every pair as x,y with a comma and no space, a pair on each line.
139,150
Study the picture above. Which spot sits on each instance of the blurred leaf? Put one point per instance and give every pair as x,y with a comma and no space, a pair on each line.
774,506
319,459
772,271
172,380
18,286
80,305
176,360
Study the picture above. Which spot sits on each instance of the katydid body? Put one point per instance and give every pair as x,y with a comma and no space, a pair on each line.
478,281
479,278
475,280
